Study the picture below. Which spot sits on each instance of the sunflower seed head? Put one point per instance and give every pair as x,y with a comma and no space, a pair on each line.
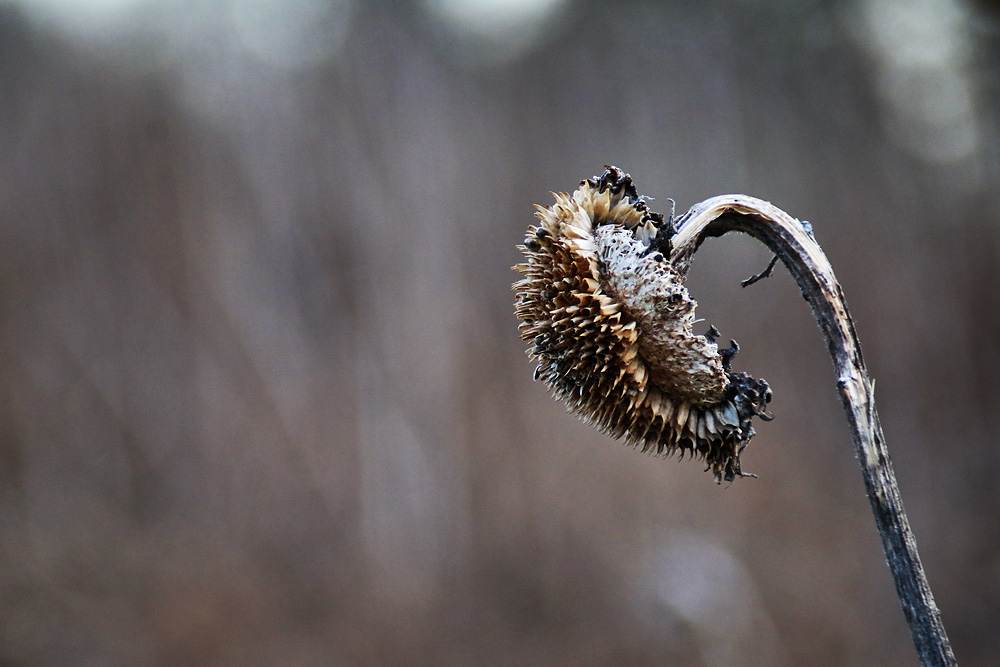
610,323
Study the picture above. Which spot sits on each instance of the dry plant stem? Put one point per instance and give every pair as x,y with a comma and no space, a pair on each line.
789,239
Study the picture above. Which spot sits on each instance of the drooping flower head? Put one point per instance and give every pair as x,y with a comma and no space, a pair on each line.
610,323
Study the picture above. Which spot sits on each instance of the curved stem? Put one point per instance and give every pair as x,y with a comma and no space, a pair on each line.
790,240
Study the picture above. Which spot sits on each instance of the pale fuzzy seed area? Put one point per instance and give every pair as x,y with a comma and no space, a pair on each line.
678,361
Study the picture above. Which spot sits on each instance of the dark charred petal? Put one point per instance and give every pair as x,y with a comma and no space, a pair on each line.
728,354
615,180
532,244
542,233
605,180
750,398
628,189
712,334
765,390
662,242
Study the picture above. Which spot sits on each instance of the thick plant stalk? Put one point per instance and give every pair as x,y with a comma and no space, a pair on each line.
792,241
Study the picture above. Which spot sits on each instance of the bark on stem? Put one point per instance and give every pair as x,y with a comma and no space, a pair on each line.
791,241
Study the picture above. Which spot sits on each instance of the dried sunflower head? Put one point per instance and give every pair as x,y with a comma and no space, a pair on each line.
609,320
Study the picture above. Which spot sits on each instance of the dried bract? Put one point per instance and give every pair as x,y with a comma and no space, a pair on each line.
610,323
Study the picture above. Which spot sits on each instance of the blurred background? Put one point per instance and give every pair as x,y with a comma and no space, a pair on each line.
262,398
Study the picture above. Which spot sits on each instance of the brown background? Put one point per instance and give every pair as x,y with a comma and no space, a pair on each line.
262,400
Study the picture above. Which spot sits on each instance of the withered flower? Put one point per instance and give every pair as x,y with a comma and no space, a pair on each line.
610,323
604,305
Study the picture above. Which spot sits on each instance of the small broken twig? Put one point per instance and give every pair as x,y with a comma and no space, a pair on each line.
766,273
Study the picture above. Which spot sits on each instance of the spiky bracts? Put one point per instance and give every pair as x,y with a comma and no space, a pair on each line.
609,319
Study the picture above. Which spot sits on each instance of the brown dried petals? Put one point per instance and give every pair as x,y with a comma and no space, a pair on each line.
609,319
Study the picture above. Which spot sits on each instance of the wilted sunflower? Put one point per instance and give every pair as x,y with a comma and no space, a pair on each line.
609,320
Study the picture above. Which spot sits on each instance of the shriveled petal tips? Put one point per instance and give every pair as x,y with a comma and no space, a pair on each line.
610,324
